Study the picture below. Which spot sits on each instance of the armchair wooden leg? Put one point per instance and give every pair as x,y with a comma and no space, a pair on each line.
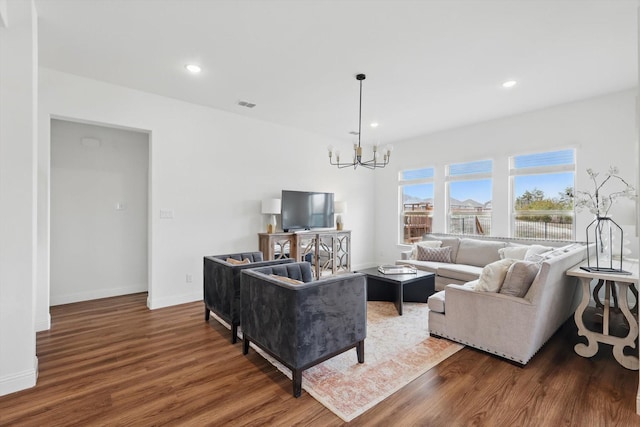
297,382
360,351
206,313
234,333
245,345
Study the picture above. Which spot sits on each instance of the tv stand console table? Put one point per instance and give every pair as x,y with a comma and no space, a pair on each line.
328,251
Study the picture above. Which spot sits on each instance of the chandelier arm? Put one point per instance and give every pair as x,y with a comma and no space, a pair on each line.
373,164
342,165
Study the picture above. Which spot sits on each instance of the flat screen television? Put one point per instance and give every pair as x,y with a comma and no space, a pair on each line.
304,210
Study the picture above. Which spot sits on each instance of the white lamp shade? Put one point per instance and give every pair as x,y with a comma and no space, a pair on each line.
271,206
340,207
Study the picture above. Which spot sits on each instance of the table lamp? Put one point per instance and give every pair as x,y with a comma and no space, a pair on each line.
340,207
271,207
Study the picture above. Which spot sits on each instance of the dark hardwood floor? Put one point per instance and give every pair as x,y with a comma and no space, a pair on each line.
114,362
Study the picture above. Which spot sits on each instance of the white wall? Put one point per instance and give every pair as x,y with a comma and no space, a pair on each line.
212,169
18,137
602,129
98,212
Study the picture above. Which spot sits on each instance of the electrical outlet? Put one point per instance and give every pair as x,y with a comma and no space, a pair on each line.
189,278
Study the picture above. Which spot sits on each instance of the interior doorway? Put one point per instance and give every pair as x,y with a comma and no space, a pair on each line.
99,211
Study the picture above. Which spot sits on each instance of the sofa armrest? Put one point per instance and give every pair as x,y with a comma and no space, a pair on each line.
490,320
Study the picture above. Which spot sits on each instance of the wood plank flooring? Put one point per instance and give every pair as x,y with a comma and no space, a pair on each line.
114,362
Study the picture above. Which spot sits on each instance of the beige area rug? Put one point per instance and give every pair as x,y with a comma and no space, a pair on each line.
398,350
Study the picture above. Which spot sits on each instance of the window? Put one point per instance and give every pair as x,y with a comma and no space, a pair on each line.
543,195
416,188
469,187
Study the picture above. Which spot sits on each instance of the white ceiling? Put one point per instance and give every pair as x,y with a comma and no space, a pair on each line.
430,65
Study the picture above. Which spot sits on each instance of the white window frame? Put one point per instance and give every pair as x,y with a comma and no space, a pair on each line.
539,170
405,182
448,179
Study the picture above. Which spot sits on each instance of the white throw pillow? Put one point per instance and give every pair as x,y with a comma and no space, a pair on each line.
493,275
513,252
424,244
533,254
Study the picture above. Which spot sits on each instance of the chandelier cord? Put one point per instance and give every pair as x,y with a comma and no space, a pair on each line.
360,114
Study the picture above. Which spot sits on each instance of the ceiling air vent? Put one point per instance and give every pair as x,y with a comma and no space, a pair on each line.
246,104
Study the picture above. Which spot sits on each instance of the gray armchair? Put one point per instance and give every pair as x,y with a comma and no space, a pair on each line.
303,324
222,285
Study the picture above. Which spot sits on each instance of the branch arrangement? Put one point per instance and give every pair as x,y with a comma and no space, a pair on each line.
599,203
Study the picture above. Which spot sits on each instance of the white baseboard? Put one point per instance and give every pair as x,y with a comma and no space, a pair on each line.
19,380
43,323
59,299
363,266
154,303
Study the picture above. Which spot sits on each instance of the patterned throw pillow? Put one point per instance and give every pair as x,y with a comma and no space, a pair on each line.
434,254
425,243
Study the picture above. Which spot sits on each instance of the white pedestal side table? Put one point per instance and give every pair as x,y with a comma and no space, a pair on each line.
623,282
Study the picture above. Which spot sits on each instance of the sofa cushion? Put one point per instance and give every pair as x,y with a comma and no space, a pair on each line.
430,266
436,302
519,278
237,261
513,252
452,242
478,252
493,275
426,243
434,254
462,272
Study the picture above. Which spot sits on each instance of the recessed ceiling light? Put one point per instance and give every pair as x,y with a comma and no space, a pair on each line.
374,125
193,68
509,84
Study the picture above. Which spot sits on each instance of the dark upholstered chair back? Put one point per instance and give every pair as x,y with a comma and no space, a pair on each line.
251,256
298,271
302,324
222,285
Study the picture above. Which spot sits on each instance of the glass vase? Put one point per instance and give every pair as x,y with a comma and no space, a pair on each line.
602,234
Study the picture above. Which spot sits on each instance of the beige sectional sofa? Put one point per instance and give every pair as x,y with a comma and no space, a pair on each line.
513,327
469,255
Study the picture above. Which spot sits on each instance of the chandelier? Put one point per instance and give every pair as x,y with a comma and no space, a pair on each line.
375,161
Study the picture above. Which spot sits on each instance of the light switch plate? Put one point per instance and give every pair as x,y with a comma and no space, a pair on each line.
166,214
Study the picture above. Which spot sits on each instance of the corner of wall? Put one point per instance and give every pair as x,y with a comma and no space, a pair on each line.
43,323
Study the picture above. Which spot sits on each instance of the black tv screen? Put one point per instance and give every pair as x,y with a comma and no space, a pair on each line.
304,210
